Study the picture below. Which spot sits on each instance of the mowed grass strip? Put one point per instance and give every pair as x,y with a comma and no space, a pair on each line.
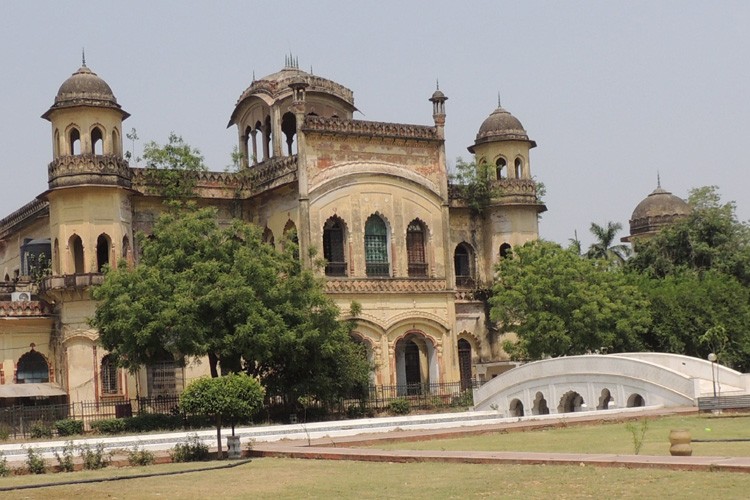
602,438
288,478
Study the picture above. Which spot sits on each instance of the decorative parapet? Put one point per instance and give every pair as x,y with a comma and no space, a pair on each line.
652,224
71,281
512,191
110,170
259,177
396,285
361,128
278,85
25,309
30,211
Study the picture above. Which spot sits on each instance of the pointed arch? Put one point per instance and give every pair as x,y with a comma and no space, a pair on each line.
97,141
110,375
126,248
505,251
56,144
32,368
290,234
334,246
416,363
289,129
518,168
464,265
74,141
103,246
75,249
465,363
416,239
377,261
268,236
501,168
116,147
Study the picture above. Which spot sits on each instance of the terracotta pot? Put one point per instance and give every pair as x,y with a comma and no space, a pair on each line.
679,439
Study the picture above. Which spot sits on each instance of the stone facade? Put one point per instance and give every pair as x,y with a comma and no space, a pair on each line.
374,199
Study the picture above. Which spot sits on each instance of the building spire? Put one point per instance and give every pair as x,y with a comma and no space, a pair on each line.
437,84
499,105
83,57
658,180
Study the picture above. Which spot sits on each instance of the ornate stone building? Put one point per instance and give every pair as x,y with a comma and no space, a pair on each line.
373,198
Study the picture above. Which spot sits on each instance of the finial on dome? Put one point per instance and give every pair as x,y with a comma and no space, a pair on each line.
437,84
83,57
658,180
311,71
499,105
253,75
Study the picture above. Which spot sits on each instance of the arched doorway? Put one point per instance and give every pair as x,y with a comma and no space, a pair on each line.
540,405
416,364
604,400
102,252
76,248
464,363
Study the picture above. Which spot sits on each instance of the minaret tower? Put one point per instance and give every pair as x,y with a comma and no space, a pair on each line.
89,181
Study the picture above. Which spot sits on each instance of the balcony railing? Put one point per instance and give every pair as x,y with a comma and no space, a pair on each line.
336,269
417,269
72,281
465,282
378,269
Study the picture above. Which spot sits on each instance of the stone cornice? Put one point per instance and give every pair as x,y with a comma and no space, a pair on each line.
394,285
361,128
32,210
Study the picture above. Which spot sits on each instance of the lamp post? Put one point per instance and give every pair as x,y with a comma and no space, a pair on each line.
712,358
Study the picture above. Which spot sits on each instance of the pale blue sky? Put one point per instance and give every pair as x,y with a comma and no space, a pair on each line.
611,91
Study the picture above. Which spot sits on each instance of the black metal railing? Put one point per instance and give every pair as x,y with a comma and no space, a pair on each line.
465,282
378,269
417,269
336,269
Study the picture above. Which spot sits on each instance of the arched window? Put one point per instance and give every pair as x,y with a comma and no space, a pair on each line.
519,168
165,376
463,263
116,149
102,251
290,234
74,142
289,129
415,248
464,363
505,251
333,247
267,137
500,168
32,368
516,408
56,145
97,141
376,247
75,245
256,155
56,258
109,375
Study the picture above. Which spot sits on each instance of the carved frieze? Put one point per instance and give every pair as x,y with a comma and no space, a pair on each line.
385,285
108,170
371,130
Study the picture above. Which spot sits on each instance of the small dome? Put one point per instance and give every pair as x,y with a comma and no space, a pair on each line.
501,126
85,88
658,209
438,96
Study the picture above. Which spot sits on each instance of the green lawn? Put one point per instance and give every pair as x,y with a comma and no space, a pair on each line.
603,438
287,478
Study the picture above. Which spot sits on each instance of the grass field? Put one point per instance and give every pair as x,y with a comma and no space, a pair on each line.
288,478
604,438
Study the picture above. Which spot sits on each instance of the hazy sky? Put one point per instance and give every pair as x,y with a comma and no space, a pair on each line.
611,91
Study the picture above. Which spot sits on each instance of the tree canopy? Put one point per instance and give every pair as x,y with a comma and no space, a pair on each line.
604,247
202,288
232,397
558,303
171,167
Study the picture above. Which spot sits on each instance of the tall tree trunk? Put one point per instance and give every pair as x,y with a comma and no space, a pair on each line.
213,359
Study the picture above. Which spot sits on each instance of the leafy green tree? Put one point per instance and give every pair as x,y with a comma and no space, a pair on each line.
698,312
604,247
171,167
201,288
560,304
711,237
475,184
229,398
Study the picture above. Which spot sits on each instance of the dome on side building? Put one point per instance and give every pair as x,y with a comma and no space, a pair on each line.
660,208
85,88
501,126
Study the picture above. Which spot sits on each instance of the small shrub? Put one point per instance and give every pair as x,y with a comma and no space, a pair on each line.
40,429
638,433
66,459
4,431
465,399
4,469
192,450
355,411
399,406
69,427
35,463
140,456
148,422
108,426
94,459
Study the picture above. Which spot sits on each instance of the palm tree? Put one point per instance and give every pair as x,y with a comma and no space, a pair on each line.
603,247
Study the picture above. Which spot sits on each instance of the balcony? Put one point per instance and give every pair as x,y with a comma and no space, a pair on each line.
336,269
108,170
71,281
417,269
378,269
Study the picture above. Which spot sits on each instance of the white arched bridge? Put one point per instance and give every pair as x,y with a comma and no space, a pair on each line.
600,382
